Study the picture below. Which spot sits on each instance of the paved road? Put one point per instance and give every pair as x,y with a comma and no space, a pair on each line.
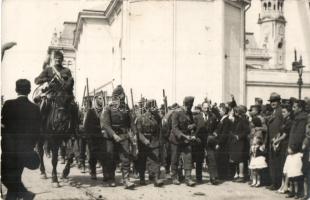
79,186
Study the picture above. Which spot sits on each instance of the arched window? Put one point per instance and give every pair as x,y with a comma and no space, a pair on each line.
265,6
269,5
278,5
274,6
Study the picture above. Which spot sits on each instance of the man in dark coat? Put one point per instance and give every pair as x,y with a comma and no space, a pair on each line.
148,128
274,127
96,140
206,123
20,131
183,128
222,132
298,129
116,120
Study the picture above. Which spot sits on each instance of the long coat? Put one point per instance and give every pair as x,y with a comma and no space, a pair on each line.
20,129
238,139
298,129
274,124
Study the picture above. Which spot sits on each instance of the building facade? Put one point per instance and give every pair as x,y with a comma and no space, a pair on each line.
187,47
269,61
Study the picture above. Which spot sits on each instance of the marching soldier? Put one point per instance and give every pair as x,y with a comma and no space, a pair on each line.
181,137
116,121
148,127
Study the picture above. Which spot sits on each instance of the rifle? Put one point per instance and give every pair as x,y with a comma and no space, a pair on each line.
161,138
133,135
88,100
165,101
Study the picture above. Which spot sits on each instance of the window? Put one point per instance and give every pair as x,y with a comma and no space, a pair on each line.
280,45
265,6
269,5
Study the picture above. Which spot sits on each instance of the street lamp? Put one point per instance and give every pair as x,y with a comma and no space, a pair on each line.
297,66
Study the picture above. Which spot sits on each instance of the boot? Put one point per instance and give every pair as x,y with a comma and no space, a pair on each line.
158,182
174,177
128,184
142,179
188,179
93,176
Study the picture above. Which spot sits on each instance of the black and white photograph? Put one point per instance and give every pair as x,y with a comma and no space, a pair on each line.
155,99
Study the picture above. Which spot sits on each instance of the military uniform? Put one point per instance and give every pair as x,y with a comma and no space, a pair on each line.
116,121
148,127
182,125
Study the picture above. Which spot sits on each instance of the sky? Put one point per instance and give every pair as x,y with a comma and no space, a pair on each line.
31,24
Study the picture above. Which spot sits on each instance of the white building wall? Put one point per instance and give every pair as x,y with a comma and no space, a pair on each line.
261,83
178,46
94,56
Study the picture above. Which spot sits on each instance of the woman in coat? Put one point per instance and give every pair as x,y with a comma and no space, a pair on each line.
238,150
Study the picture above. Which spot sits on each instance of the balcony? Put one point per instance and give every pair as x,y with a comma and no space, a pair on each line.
257,53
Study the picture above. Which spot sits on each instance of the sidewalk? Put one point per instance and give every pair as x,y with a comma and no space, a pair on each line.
79,186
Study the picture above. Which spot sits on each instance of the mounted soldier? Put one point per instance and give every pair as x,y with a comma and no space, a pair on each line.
58,109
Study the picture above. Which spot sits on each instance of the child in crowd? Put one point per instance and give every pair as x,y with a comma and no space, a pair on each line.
293,170
258,160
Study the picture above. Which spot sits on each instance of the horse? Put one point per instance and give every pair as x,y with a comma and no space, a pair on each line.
59,125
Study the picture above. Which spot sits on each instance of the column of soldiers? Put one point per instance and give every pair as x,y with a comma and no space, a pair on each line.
175,140
184,138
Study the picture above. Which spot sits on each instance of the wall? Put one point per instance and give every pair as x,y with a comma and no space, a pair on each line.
261,83
173,45
177,46
95,59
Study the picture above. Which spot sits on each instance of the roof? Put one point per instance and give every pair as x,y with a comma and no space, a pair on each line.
101,11
98,6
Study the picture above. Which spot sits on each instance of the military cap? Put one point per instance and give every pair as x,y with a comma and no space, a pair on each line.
58,53
258,100
23,86
189,100
274,97
118,91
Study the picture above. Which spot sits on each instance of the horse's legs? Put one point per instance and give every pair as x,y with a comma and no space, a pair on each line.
54,147
66,170
63,149
41,153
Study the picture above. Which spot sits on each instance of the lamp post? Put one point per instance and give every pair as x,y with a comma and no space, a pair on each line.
297,66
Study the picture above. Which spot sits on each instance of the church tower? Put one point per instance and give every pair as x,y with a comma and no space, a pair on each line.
272,26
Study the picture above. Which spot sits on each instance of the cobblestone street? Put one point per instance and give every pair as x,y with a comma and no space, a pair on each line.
80,186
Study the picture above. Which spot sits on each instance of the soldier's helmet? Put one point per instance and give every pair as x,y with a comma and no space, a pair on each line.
188,101
118,92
